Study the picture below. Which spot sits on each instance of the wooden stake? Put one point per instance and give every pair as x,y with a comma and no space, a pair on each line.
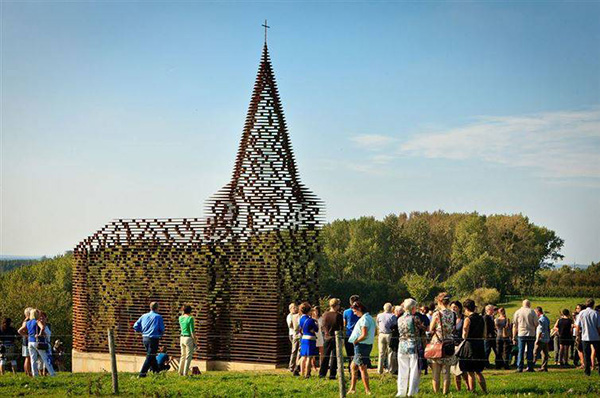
113,361
339,344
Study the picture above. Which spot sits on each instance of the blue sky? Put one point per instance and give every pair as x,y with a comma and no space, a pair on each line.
119,110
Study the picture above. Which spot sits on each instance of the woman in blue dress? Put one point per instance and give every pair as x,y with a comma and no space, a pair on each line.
308,343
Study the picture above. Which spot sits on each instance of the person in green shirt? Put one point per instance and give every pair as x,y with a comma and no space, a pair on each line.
187,341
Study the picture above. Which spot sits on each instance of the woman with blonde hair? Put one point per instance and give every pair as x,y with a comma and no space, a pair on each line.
25,348
36,342
441,328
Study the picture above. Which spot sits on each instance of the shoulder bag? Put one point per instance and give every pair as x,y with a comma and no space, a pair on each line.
440,348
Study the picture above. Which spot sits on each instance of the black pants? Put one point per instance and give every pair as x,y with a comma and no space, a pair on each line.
490,345
574,353
349,351
502,353
151,345
587,355
329,359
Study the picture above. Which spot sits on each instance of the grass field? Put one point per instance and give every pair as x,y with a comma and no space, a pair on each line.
552,306
558,383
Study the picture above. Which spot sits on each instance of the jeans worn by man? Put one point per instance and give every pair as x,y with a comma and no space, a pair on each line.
587,355
525,343
151,346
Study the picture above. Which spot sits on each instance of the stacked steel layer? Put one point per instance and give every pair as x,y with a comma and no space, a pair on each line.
254,252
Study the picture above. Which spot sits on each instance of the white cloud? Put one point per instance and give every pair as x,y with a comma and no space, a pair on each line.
373,142
562,144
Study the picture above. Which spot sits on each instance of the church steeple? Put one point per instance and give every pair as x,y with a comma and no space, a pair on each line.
265,192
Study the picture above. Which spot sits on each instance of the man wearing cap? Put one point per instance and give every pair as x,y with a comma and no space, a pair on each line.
152,327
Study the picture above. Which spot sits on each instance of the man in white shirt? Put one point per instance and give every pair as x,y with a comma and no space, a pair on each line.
294,334
588,324
525,322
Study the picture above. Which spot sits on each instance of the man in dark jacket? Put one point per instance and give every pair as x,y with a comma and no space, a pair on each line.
490,338
332,322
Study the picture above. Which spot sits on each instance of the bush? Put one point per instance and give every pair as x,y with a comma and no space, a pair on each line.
484,296
372,294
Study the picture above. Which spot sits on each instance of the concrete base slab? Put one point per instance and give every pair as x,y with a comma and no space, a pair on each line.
84,362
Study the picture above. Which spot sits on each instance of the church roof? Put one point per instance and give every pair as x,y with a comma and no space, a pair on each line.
264,195
265,192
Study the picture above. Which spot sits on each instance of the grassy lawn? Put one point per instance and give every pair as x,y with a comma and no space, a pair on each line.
282,384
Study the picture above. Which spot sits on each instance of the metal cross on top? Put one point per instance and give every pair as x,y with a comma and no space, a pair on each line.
266,27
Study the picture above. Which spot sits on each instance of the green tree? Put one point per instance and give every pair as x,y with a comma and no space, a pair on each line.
483,272
420,286
45,285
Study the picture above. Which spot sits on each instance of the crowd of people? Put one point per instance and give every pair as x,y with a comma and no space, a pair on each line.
39,356
451,338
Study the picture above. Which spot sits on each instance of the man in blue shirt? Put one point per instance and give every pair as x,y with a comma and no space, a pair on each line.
152,327
350,320
542,335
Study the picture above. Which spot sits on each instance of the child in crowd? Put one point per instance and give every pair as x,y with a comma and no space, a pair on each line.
163,359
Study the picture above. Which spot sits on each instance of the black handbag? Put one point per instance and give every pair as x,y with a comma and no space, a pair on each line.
447,349
460,350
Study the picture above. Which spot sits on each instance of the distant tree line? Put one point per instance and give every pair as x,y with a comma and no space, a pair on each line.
569,282
420,253
7,265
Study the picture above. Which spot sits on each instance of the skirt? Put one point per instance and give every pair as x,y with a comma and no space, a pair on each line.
474,357
362,354
308,348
